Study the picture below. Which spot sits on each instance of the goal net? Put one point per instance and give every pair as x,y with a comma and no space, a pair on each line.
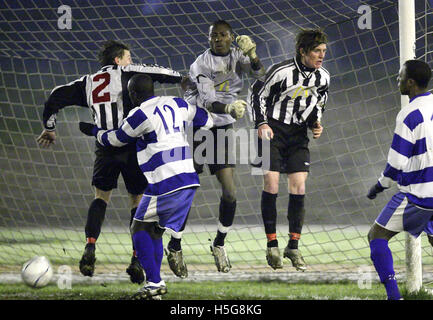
45,194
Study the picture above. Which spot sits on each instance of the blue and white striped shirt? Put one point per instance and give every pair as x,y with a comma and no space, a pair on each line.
157,127
410,158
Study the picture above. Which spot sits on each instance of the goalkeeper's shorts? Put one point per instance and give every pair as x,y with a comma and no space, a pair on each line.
224,155
401,215
169,210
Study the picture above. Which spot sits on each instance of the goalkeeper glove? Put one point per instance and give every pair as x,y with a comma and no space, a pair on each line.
88,129
248,46
236,109
374,190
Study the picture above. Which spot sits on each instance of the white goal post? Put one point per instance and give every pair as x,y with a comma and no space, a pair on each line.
406,12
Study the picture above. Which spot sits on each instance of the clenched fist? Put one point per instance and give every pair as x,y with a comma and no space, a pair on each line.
236,109
247,45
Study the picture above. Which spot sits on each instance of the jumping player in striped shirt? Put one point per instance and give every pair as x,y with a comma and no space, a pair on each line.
158,129
105,94
410,165
290,100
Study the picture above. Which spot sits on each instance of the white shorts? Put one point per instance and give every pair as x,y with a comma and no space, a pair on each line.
401,215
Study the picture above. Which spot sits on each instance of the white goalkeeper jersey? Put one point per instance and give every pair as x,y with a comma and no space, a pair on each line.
219,78
158,127
410,158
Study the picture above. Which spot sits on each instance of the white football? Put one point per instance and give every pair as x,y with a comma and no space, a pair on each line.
37,272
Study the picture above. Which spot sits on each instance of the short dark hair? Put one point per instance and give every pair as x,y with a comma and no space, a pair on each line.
110,50
222,23
141,85
419,71
308,39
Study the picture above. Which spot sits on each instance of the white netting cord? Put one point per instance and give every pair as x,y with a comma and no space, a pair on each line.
45,194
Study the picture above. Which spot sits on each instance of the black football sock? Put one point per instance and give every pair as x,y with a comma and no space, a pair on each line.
226,216
272,243
175,244
95,218
269,216
295,215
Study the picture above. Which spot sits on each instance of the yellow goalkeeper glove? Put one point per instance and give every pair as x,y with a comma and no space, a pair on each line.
247,45
236,109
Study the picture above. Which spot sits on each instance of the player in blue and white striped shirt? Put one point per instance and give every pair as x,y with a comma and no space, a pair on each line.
158,127
410,164
104,93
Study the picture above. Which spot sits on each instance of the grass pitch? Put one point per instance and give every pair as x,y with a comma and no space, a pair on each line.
336,248
208,290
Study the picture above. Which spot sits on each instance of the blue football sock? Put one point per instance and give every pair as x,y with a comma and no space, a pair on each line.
159,252
145,249
382,259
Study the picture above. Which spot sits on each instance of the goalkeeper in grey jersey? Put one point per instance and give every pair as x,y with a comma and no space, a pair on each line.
217,74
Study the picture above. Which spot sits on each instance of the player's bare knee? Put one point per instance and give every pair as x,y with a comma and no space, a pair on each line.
270,186
271,182
103,195
379,232
134,200
297,188
229,195
152,228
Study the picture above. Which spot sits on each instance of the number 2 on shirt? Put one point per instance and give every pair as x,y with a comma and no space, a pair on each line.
164,122
96,93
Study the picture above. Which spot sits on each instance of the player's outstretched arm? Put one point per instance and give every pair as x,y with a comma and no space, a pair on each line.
73,93
126,134
156,72
46,138
89,129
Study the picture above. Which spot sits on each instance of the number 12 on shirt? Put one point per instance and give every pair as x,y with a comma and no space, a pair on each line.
164,122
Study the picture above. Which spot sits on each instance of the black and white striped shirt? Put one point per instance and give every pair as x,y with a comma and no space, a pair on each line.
104,92
291,93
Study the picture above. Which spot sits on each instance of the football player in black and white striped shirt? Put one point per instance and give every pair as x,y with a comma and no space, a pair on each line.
218,75
105,94
290,100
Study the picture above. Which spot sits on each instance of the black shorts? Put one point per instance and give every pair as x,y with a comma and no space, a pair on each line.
289,151
110,162
219,153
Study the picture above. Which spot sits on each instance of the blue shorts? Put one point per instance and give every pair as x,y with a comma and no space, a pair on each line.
169,210
401,215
